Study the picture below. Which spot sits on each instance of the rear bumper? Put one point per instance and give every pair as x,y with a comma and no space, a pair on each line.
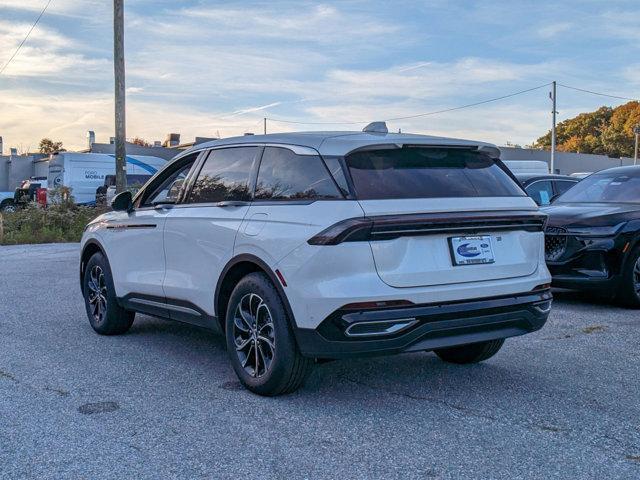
435,326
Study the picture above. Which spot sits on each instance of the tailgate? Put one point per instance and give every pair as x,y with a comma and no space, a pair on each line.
411,245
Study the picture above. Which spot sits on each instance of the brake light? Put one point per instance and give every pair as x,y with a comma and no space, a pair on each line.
352,229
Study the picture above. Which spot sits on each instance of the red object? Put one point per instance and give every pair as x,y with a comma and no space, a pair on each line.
281,278
41,196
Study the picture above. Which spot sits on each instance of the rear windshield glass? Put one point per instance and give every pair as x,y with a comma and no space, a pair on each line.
604,188
428,173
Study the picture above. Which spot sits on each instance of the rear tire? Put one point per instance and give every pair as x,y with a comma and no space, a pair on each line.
629,291
471,353
260,341
106,316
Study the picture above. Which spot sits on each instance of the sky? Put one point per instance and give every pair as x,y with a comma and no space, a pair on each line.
216,68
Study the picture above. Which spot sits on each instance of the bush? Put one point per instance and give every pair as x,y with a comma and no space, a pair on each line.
60,222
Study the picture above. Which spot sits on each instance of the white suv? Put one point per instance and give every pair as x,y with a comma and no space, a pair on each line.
309,246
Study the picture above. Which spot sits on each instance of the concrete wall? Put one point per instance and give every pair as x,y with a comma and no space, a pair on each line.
566,163
4,173
20,168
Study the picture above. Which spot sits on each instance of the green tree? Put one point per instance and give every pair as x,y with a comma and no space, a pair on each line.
49,146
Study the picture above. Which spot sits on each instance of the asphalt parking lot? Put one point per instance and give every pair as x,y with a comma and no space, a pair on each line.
163,402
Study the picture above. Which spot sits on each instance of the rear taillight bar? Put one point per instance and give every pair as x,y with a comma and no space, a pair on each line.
388,227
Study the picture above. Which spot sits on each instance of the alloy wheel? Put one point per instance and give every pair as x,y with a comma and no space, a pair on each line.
97,294
253,334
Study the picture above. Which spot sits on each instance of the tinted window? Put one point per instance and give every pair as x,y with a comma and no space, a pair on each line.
283,175
225,176
563,185
541,191
605,187
168,187
335,168
428,173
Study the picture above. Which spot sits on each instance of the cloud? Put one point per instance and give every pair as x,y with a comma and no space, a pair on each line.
553,29
317,24
48,53
88,9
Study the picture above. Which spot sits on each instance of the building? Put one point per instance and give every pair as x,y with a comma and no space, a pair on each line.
15,168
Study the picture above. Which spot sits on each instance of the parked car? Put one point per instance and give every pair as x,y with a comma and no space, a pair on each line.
580,175
6,202
544,188
306,246
107,191
593,233
30,190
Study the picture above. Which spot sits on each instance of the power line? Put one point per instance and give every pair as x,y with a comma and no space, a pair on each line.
596,93
26,37
502,97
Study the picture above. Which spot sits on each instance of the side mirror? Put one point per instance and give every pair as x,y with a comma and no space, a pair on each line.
123,202
553,198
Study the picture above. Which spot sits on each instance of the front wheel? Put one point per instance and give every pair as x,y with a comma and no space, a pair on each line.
260,341
629,291
106,316
8,207
471,353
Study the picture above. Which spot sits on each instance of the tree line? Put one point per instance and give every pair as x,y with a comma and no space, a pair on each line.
607,131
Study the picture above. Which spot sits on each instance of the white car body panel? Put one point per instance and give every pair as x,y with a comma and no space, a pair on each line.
426,260
134,248
199,241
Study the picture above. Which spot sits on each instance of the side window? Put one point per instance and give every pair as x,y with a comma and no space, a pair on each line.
541,192
168,187
335,167
225,175
283,175
563,185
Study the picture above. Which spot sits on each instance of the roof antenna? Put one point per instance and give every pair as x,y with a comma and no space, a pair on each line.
376,127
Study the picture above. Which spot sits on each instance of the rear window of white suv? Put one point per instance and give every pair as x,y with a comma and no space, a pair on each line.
419,172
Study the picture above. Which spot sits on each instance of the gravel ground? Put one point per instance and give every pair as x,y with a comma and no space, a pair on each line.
162,401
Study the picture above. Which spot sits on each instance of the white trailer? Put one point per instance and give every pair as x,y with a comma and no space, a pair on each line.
85,172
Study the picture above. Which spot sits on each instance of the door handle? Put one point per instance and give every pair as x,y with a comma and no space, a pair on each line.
232,203
163,206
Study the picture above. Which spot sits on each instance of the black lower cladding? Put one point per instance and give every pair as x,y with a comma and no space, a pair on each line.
586,262
437,326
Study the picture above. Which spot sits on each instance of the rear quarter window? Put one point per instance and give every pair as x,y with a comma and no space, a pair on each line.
283,175
428,173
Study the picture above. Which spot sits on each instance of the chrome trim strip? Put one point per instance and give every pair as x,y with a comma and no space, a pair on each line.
396,326
297,149
437,229
168,306
123,226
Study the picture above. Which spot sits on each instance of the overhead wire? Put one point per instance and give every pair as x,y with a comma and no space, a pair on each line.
25,38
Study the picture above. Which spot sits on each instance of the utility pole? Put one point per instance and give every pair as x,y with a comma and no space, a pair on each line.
553,128
265,125
636,131
118,69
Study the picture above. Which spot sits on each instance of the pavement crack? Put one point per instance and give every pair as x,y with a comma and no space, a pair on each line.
8,376
453,406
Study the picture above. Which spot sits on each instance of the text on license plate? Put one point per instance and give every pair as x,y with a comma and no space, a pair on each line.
471,250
